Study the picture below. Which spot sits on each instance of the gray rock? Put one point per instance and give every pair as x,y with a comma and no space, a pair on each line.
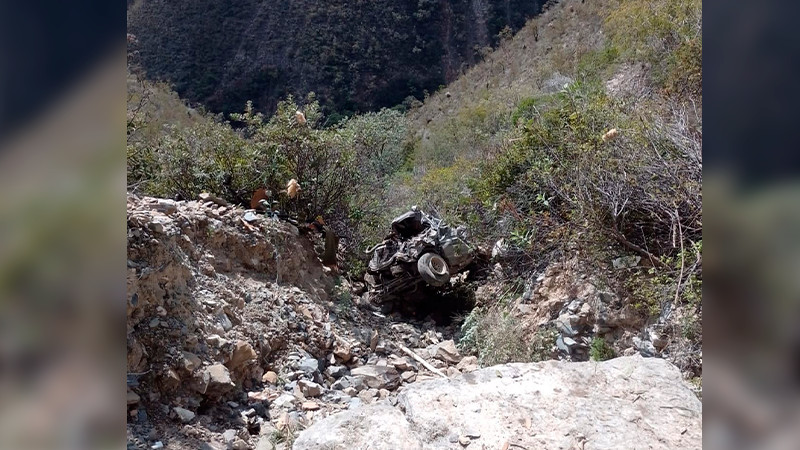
447,351
597,398
185,415
574,305
239,444
564,325
569,342
228,436
210,446
156,226
645,348
391,431
350,391
225,322
336,371
606,297
309,388
377,376
190,361
341,383
625,262
555,83
284,401
265,443
561,345
499,249
219,379
356,383
308,365
242,353
207,197
166,206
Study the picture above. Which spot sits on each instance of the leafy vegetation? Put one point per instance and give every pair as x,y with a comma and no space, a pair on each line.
599,350
343,169
666,34
357,56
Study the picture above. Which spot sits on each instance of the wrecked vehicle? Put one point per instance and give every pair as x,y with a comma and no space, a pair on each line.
420,250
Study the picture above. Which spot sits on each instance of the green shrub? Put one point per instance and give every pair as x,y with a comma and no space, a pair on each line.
649,29
599,350
206,156
526,110
684,74
340,167
598,64
474,132
666,34
617,187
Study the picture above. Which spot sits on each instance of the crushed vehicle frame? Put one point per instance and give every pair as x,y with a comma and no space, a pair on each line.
420,250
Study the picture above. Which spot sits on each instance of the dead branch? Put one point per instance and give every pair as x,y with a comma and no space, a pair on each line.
419,359
680,276
624,241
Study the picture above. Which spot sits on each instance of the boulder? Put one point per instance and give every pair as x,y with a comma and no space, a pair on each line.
190,362
447,352
378,426
628,402
219,380
468,364
308,365
343,352
270,377
241,354
184,415
309,388
336,371
377,376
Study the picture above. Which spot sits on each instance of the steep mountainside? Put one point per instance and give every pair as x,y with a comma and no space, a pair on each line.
356,56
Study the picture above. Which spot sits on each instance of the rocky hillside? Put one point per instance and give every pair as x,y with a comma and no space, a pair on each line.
239,338
572,153
356,56
236,333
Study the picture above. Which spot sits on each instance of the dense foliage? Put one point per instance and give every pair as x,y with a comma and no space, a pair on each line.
357,56
340,168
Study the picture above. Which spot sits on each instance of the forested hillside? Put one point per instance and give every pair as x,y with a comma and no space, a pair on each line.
356,55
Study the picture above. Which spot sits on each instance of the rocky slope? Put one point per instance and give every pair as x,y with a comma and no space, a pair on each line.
238,337
628,402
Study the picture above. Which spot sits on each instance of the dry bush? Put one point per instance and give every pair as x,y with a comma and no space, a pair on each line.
498,337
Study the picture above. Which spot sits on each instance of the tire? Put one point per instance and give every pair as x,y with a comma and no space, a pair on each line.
433,269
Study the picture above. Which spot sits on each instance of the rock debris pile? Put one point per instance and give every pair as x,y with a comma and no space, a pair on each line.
238,337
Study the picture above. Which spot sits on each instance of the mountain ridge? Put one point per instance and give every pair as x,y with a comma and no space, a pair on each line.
356,56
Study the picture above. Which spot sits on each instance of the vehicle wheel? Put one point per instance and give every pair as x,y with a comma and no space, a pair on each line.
433,269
